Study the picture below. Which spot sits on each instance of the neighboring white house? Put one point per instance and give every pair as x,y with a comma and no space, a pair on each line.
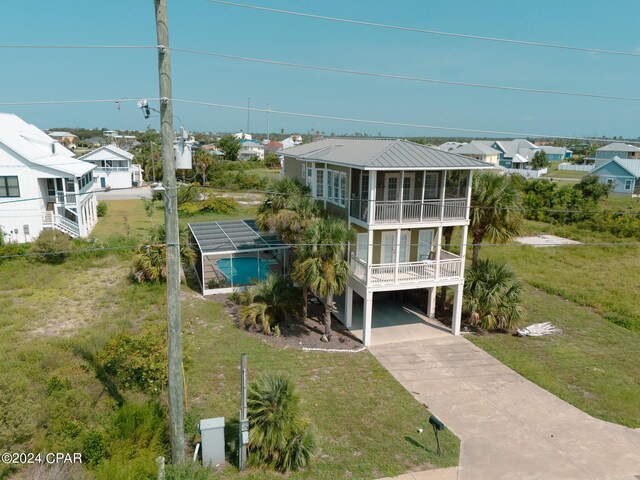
242,136
477,150
42,184
398,196
250,148
449,146
114,166
67,139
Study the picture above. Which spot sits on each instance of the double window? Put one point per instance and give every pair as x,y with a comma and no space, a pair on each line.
336,187
9,187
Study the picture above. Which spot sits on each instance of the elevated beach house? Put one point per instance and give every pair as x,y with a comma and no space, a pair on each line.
398,196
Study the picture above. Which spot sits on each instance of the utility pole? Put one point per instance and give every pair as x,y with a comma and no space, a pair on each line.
248,114
176,385
153,162
267,122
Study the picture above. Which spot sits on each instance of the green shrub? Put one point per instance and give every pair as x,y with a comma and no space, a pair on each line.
188,471
279,436
217,283
210,205
492,296
137,361
52,246
93,447
102,209
188,194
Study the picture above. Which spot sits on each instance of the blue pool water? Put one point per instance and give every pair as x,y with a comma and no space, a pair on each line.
245,270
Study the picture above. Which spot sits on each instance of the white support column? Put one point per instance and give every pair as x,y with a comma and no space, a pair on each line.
369,254
373,180
463,247
457,309
396,256
367,310
401,189
438,250
348,306
469,189
431,305
424,182
442,194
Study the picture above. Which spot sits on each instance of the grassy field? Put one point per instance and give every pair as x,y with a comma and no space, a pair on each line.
591,365
54,319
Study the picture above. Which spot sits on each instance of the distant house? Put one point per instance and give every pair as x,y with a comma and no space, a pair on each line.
95,142
556,154
514,154
450,146
67,139
113,166
213,150
622,173
273,146
291,141
42,185
243,136
479,151
620,150
250,148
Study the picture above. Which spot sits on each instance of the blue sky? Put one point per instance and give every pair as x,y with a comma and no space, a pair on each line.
30,75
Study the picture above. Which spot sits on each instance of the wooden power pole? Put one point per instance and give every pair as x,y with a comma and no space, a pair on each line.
176,392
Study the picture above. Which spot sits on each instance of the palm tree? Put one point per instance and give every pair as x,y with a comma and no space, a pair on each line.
321,264
150,261
495,211
492,295
279,436
268,302
281,195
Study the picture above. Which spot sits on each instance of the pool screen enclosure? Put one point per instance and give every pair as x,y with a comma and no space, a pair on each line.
235,253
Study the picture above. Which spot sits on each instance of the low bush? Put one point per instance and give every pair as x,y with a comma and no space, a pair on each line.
137,361
52,246
210,205
102,209
280,437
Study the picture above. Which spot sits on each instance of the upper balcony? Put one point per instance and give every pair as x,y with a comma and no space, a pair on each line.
449,267
410,211
401,197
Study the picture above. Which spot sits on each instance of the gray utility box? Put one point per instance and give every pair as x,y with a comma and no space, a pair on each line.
212,433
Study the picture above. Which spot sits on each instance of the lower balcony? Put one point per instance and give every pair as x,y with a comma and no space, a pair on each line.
449,267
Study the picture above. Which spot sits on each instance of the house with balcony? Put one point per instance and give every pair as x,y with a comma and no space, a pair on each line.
398,196
42,185
250,149
618,150
114,167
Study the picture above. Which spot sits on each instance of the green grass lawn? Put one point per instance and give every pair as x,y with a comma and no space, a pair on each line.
53,319
591,365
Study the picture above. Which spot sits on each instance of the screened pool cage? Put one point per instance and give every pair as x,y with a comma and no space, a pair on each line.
234,254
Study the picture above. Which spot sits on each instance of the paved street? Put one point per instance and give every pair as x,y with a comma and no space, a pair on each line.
125,194
509,427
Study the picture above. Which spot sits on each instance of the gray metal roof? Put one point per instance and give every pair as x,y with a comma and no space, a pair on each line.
619,147
631,165
474,148
377,154
232,236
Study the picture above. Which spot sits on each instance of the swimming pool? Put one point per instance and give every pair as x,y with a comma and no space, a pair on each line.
245,269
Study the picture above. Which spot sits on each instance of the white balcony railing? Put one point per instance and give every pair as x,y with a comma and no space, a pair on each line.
383,274
410,211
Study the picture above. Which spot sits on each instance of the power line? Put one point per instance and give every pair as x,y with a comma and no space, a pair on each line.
405,77
78,47
163,245
341,70
328,117
430,32
395,124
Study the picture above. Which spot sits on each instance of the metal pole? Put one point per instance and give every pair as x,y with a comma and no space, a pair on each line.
176,392
153,162
267,122
244,422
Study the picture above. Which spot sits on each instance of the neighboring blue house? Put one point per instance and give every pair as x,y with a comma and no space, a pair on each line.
620,150
556,154
622,173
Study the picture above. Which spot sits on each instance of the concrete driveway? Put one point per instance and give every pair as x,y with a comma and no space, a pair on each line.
509,427
125,194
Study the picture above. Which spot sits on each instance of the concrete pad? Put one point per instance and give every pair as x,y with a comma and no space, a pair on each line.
438,474
509,427
546,241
